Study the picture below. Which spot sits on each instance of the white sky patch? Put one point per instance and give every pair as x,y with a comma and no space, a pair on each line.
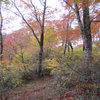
12,22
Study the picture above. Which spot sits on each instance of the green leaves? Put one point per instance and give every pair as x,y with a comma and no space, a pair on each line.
6,1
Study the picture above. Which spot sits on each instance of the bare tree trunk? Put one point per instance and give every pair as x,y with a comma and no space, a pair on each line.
1,38
64,50
66,38
39,67
70,46
85,31
99,35
87,40
41,24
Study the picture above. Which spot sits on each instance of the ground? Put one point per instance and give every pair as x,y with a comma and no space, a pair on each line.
40,89
43,89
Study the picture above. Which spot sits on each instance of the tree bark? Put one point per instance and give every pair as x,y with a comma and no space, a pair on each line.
69,43
1,38
39,67
85,31
65,46
99,35
87,40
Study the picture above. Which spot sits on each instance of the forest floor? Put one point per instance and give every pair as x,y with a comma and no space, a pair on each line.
41,89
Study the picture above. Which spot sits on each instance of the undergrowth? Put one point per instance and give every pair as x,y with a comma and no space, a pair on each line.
69,74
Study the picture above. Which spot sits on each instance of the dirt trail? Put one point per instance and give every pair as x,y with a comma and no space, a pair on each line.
35,90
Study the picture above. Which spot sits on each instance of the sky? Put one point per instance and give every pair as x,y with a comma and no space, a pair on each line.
12,22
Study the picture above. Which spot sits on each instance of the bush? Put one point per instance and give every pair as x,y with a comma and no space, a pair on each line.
10,77
73,72
49,65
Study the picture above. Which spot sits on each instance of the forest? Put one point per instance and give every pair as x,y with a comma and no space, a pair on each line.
52,53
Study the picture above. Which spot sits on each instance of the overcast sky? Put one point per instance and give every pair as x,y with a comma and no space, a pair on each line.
13,23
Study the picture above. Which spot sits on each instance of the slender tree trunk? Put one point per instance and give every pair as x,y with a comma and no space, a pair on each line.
66,38
1,38
93,39
39,67
41,24
99,35
63,55
70,46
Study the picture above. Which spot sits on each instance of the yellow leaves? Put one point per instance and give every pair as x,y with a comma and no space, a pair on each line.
75,1
5,62
52,63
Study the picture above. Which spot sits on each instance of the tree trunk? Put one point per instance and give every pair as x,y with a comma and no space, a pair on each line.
70,46
99,35
64,50
39,67
1,38
87,40
85,31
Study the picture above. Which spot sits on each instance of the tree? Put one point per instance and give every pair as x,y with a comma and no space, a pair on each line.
67,41
40,18
66,33
16,43
1,39
84,25
1,24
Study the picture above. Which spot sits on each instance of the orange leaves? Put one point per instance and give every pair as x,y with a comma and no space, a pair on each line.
26,3
97,1
62,32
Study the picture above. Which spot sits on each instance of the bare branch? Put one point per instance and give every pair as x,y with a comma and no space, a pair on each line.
95,18
78,17
11,54
73,69
42,3
36,15
44,11
15,13
96,21
13,48
27,23
69,4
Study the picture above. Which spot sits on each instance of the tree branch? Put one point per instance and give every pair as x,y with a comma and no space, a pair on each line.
36,15
11,54
78,17
96,21
68,4
42,3
95,18
26,22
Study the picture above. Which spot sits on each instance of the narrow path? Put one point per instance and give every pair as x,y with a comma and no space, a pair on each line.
35,90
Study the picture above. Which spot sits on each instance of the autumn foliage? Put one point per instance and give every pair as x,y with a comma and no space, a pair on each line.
47,46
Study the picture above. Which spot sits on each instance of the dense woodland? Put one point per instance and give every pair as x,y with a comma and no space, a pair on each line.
47,49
